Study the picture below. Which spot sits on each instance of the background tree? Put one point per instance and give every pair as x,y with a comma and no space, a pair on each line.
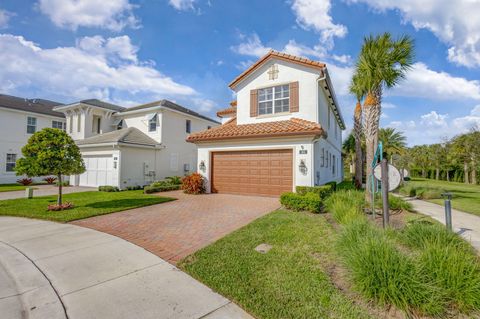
348,148
382,63
50,151
393,142
358,91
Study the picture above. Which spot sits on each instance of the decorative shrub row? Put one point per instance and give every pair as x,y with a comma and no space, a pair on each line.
108,188
25,181
323,191
160,188
308,202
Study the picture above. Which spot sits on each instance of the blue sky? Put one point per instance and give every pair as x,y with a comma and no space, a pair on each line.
135,51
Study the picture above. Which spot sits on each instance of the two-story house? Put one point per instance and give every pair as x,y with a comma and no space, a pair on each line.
284,130
19,119
132,146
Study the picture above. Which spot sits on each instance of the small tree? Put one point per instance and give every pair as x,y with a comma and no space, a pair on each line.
50,151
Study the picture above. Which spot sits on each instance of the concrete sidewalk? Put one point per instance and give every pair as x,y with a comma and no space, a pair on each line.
45,190
51,270
466,225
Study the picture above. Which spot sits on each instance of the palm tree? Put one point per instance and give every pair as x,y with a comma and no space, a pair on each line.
393,142
382,63
358,91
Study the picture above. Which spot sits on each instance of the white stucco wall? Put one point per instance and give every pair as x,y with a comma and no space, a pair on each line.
296,144
13,136
287,73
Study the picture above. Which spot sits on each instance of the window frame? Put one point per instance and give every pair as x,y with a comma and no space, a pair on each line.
55,124
30,125
154,121
188,126
273,99
7,162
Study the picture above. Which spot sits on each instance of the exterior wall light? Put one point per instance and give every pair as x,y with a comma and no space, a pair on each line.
302,167
202,166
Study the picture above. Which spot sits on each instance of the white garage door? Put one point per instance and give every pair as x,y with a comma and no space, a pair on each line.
99,171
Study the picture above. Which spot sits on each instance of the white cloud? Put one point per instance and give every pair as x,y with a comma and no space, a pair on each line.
315,14
204,105
4,18
455,23
434,127
426,83
94,67
112,14
182,5
251,46
387,105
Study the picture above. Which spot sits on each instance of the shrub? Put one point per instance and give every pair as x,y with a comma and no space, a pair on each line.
64,183
25,181
430,193
323,191
395,203
175,180
58,207
108,188
162,188
409,191
346,205
193,184
332,184
308,202
50,179
382,273
134,188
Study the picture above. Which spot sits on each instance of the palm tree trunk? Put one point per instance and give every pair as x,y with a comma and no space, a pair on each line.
357,128
60,185
372,116
465,172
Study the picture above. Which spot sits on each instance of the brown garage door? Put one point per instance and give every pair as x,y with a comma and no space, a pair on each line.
252,172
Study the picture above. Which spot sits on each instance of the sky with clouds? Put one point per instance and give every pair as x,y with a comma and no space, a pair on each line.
135,51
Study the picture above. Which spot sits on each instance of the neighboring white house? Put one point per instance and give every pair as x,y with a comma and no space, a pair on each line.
133,146
19,119
284,130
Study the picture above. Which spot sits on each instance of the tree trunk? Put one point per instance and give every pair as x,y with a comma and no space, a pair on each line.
372,115
448,175
424,173
60,185
473,178
465,172
437,173
357,127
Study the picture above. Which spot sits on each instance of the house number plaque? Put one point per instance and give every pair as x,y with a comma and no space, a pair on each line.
303,152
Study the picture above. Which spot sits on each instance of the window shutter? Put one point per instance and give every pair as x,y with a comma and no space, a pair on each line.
253,103
294,97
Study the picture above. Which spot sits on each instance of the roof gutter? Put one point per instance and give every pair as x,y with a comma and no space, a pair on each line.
333,96
113,144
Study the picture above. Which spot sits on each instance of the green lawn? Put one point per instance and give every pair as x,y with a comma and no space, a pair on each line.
11,187
290,281
466,197
87,204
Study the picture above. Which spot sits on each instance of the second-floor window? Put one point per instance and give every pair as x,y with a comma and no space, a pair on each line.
10,162
57,124
31,125
188,126
274,100
152,124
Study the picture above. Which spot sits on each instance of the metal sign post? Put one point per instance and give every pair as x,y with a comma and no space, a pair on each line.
386,208
371,179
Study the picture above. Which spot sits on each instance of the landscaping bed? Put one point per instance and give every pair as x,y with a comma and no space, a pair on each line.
11,187
342,265
86,204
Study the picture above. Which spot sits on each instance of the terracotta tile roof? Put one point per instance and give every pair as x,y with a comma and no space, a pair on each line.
231,130
280,56
228,111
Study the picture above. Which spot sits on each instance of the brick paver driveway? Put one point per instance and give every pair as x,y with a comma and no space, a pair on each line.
176,229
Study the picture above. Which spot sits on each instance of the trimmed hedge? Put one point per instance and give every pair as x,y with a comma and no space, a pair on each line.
309,202
108,188
323,191
160,188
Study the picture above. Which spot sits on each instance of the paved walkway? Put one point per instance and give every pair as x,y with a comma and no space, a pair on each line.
45,190
51,270
176,229
467,225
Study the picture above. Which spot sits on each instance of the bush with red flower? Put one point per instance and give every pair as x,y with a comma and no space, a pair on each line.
193,184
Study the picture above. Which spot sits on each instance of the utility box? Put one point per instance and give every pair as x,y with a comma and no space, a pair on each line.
29,192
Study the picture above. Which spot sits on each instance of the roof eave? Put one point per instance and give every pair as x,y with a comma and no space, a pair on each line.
320,133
